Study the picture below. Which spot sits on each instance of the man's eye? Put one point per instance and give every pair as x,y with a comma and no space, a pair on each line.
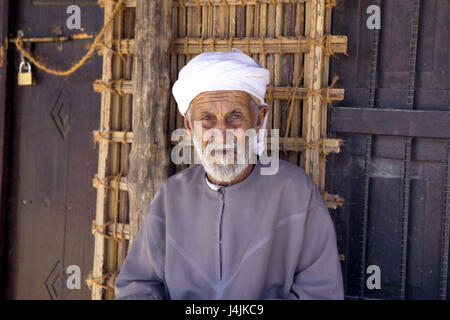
206,118
236,116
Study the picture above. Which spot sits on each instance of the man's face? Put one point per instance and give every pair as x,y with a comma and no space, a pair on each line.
216,112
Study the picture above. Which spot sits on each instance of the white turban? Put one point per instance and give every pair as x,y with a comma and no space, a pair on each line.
212,71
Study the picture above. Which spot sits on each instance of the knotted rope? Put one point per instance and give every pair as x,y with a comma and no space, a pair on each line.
76,66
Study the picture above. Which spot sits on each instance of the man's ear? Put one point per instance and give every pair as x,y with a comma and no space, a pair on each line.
260,116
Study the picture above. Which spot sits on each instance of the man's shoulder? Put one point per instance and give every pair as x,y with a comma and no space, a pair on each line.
290,173
183,177
177,184
296,189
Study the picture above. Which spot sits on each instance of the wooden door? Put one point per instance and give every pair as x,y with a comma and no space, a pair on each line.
393,170
52,159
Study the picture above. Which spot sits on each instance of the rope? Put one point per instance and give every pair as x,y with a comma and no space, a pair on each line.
230,43
98,281
104,46
186,39
325,43
247,46
327,98
100,86
117,236
317,145
104,182
270,93
261,43
279,45
116,202
323,97
330,4
116,189
127,47
201,45
299,43
212,43
102,136
76,66
319,93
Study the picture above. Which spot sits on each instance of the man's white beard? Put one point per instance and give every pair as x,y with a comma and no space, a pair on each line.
216,166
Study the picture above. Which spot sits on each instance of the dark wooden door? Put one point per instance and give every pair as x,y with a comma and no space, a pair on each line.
52,158
394,168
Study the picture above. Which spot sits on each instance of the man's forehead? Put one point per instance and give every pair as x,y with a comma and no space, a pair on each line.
228,95
210,100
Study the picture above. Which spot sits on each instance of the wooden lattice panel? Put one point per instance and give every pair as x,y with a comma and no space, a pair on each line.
290,38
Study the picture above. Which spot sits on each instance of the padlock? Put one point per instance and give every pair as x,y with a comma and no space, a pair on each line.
25,78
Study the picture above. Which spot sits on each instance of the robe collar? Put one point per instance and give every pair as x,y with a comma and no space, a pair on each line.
215,188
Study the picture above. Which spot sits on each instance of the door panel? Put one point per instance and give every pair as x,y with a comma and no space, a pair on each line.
51,200
393,171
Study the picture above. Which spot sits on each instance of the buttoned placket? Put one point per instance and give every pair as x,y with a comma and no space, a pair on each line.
219,192
222,200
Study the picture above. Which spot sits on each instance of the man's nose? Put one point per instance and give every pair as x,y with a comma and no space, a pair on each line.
222,127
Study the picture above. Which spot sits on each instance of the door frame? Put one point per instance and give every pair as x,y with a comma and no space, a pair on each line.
4,136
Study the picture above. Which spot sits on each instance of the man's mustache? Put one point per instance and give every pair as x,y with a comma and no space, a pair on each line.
213,146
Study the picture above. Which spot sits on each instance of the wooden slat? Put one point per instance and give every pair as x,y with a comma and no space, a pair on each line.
112,229
263,31
193,3
277,70
103,159
332,145
110,264
181,59
313,80
292,144
277,92
332,201
174,73
127,104
271,44
116,136
324,111
296,73
110,183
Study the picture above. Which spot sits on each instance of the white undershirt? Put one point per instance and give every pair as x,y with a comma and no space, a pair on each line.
213,186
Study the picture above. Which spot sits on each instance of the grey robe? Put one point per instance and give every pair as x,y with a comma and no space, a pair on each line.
266,237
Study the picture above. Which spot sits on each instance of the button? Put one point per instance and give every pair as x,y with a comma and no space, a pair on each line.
220,241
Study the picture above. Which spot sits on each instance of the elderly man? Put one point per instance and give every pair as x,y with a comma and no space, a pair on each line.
221,229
